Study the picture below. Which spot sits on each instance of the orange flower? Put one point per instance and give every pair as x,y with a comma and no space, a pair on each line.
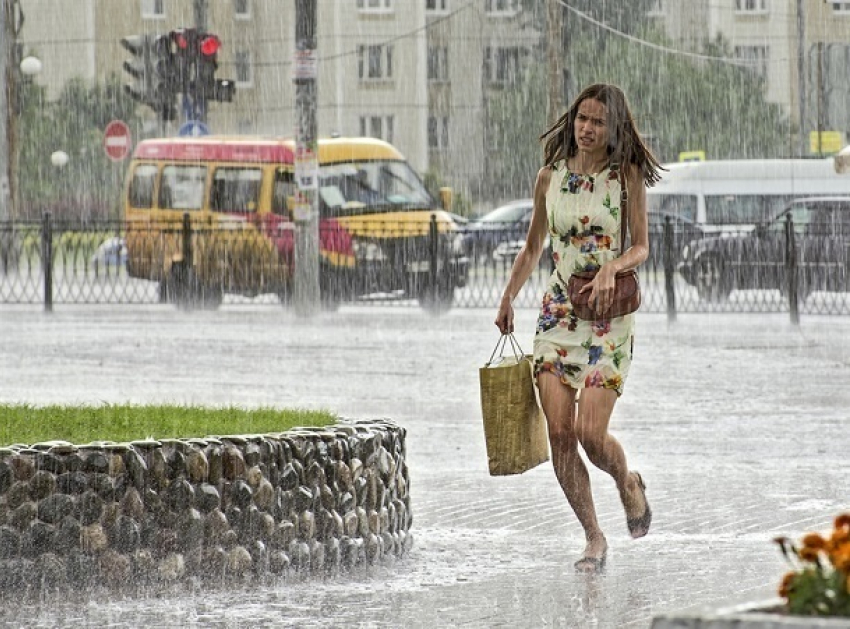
787,584
807,553
840,558
839,537
814,540
843,521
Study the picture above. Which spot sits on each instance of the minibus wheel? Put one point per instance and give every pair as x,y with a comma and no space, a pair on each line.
188,292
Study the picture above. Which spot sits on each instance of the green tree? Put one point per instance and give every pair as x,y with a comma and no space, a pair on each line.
89,186
680,103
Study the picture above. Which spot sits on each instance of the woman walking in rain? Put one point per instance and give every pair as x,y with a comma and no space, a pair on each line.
588,154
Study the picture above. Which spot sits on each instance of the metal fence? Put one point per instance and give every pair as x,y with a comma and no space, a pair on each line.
798,271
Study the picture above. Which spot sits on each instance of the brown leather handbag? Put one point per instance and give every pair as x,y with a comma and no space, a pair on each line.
626,284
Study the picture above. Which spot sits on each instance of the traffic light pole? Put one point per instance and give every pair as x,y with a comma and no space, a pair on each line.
306,292
199,9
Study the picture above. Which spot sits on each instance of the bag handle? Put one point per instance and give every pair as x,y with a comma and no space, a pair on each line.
500,347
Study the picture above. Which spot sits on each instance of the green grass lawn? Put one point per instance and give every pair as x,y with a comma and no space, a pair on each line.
25,424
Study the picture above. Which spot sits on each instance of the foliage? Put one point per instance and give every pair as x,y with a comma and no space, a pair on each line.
819,585
680,103
89,185
627,16
82,424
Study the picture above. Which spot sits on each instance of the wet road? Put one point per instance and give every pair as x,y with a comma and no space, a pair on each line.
737,423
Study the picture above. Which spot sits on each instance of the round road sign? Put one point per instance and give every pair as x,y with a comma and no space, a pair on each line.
117,141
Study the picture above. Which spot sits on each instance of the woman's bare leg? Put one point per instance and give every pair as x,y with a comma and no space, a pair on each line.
559,406
603,450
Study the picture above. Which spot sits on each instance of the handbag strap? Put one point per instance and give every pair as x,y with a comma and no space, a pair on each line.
500,347
624,201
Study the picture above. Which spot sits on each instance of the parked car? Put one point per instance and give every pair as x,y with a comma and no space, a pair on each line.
685,230
757,259
506,223
111,254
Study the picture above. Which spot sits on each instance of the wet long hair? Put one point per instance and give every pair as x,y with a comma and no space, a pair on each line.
625,146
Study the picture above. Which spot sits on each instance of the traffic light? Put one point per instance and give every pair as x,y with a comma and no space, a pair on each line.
198,61
154,72
164,77
138,67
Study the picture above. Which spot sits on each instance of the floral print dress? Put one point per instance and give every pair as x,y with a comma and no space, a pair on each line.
584,226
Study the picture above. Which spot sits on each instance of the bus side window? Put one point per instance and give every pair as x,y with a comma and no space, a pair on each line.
235,189
283,191
141,186
182,187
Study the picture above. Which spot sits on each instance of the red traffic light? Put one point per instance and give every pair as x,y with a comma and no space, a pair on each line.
179,38
210,45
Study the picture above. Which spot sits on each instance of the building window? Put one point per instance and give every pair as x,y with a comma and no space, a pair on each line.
502,65
374,62
751,6
242,9
438,132
438,63
153,9
841,7
756,58
375,6
437,6
381,127
244,69
502,7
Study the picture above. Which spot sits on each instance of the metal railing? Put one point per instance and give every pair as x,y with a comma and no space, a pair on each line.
52,262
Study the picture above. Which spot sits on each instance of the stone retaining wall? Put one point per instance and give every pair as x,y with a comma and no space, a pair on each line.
309,499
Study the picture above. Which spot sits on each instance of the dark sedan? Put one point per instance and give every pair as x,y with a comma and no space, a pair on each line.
506,224
759,259
684,231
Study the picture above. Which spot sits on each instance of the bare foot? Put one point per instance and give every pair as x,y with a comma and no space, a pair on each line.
594,555
638,513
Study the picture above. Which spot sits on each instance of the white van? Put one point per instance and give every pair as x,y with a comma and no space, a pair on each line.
738,194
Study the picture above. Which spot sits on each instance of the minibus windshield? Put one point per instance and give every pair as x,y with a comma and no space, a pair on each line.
351,186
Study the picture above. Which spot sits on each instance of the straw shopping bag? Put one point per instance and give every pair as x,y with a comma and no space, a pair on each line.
514,427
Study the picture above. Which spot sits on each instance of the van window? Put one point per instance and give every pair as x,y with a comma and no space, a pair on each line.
726,209
235,189
182,187
684,205
141,186
283,189
800,215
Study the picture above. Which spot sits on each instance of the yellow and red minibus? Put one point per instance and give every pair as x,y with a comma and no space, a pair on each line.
214,214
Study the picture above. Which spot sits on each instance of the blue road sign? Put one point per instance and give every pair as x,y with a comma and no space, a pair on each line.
193,129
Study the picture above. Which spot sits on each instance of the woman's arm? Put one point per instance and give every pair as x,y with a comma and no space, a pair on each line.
528,257
638,252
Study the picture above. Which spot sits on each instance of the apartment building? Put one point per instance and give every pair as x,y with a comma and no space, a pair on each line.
766,33
419,73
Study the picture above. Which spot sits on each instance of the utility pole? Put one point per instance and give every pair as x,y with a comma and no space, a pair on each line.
7,103
199,8
306,292
801,74
555,58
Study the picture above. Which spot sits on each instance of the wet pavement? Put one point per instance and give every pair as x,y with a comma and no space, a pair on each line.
736,422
